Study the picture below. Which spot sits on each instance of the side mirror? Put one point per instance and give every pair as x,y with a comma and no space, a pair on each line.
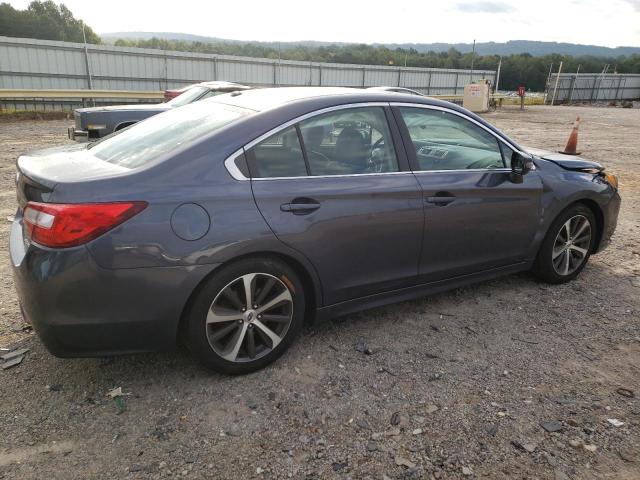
520,165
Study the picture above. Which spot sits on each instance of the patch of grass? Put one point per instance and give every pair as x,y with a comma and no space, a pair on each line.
17,115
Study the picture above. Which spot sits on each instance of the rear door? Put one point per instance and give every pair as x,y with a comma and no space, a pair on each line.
335,187
475,218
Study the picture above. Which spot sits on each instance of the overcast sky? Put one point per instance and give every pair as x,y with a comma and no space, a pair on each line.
597,22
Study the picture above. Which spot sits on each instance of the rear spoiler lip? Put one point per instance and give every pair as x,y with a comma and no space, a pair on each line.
30,176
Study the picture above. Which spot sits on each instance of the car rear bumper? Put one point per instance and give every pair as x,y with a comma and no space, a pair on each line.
79,309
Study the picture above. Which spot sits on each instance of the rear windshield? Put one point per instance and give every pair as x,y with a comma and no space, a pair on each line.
187,97
145,141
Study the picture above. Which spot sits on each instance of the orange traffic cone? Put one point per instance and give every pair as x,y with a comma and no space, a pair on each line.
572,143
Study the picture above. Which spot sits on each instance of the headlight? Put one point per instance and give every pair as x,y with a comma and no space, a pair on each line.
611,179
95,127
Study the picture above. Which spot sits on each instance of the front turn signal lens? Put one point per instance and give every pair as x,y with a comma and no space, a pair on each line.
611,179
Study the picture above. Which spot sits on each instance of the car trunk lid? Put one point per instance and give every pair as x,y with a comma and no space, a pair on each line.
41,172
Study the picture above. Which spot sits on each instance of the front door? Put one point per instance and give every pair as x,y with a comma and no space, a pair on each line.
476,218
334,188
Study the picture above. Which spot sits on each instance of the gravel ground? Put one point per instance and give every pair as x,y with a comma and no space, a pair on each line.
456,385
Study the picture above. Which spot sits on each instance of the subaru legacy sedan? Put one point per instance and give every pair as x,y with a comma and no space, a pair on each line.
231,222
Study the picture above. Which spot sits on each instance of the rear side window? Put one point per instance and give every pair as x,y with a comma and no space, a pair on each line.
345,142
444,141
280,155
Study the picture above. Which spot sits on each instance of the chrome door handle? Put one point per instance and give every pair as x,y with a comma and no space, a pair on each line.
299,208
440,201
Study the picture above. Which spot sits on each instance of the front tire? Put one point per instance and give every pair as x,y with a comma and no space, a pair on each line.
567,246
246,315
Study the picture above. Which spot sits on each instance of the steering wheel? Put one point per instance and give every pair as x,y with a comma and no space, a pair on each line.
372,164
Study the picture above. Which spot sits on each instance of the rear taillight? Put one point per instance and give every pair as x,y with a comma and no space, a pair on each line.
60,225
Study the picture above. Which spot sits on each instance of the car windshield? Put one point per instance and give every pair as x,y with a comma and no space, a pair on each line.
189,96
145,141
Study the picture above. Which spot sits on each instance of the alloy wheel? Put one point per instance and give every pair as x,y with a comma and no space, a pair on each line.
249,317
571,245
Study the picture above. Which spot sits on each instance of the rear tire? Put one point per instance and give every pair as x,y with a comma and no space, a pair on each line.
567,246
232,336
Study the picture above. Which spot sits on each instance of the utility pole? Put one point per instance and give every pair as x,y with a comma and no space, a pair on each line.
555,88
573,83
86,61
495,89
473,56
546,86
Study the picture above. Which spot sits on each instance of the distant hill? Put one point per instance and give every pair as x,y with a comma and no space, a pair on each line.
488,48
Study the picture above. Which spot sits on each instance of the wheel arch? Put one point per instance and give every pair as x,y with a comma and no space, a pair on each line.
313,298
598,213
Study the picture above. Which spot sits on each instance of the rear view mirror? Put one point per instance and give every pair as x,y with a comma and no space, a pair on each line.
521,164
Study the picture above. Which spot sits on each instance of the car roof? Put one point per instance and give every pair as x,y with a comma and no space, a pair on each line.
262,99
276,106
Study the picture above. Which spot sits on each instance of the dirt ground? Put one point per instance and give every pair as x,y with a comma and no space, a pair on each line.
456,385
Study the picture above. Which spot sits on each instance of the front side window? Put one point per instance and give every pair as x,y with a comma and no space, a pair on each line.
345,142
349,141
444,141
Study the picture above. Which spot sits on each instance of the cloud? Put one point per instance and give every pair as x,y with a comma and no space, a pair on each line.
634,3
491,7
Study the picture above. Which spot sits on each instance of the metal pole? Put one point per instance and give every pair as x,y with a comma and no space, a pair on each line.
604,71
455,89
555,89
320,75
166,72
498,76
86,61
429,83
573,84
473,56
546,85
364,73
618,89
399,73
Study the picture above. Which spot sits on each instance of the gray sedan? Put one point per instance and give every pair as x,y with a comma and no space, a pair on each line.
97,122
232,222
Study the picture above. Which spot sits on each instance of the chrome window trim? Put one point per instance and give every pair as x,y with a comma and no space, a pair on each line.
235,172
406,172
232,168
315,113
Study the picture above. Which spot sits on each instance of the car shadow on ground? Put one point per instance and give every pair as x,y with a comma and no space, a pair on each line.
451,307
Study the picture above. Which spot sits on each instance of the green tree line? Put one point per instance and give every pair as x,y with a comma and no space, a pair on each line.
44,20
47,20
520,69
